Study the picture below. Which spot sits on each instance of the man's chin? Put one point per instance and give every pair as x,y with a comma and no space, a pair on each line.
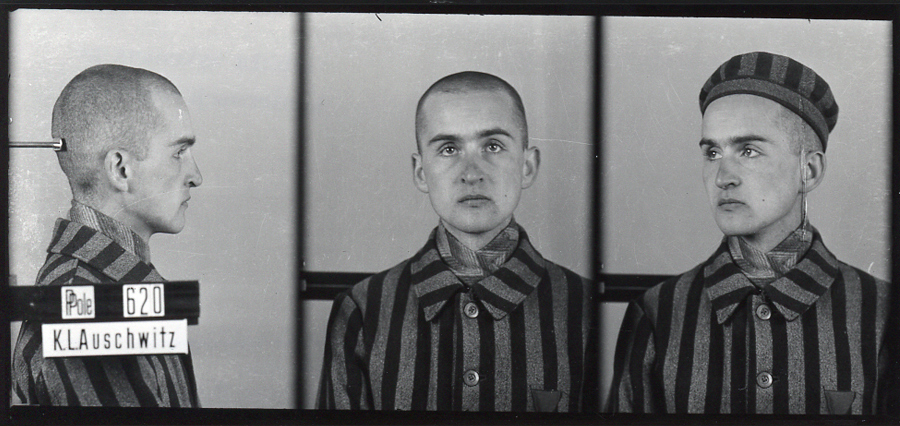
733,228
736,231
170,229
474,228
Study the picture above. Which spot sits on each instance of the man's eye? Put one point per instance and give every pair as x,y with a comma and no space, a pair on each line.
180,152
447,150
750,152
494,147
711,154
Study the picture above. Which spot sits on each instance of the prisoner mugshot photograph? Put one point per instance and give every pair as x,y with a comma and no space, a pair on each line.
455,211
717,133
146,200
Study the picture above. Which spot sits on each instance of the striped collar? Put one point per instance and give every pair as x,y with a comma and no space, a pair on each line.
764,267
118,231
792,294
500,293
100,252
470,265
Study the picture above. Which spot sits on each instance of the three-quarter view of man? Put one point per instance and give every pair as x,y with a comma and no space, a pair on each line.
772,322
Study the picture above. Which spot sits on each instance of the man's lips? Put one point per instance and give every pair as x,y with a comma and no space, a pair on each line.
473,198
729,202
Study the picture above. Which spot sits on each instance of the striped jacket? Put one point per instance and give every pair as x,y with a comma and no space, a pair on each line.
412,338
709,341
80,254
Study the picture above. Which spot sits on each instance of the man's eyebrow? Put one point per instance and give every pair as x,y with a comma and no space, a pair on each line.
189,141
442,137
735,140
493,132
445,137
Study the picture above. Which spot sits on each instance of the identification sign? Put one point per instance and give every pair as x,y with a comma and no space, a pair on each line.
115,338
110,319
107,302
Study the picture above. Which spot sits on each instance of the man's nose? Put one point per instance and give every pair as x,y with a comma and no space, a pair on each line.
194,178
726,174
473,171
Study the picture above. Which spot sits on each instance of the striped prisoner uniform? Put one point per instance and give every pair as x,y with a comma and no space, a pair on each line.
428,334
710,341
80,254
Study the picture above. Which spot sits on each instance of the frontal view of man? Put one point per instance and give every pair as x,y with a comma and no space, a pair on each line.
772,322
128,160
477,320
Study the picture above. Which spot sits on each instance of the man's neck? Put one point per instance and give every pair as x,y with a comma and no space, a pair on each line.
764,267
470,266
769,237
476,242
115,210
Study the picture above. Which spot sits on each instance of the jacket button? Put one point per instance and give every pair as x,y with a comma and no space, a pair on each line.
764,380
470,378
764,312
471,310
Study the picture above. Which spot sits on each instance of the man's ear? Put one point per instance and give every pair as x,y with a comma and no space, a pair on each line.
419,173
812,170
531,166
117,169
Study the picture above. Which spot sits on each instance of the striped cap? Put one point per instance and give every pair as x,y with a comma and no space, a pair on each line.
780,79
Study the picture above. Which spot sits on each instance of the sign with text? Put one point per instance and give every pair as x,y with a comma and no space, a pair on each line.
115,338
107,302
78,302
143,300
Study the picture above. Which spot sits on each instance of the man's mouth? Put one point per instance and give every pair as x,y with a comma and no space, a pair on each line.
729,202
475,199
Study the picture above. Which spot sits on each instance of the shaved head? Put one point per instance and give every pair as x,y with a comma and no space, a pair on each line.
103,108
803,137
472,81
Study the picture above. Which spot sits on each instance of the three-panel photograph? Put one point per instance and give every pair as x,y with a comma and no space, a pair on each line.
451,216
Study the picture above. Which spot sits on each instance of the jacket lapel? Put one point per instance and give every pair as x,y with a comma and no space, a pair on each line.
507,288
432,279
794,293
726,286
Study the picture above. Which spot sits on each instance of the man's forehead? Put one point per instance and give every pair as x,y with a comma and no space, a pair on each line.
171,105
476,96
745,113
176,122
477,106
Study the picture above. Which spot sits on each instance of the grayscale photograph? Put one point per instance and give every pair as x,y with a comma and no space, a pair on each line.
454,154
207,114
715,136
318,215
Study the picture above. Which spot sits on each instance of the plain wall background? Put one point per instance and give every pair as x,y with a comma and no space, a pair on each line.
238,75
656,216
365,74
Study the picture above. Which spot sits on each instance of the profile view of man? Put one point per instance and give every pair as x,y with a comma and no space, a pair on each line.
128,160
477,320
772,322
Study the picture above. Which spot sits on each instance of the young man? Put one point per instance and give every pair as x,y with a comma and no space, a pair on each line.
477,320
128,137
772,322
